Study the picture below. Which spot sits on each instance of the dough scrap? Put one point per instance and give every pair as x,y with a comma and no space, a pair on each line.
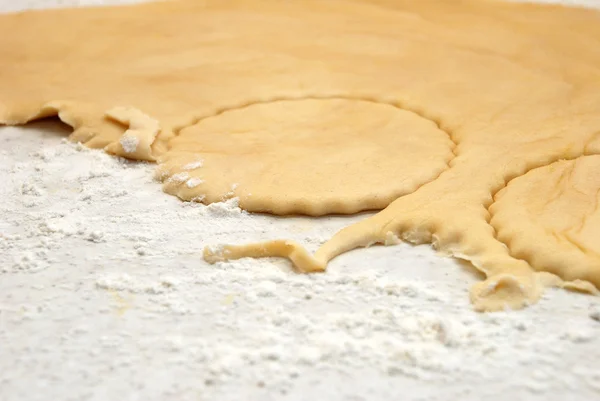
503,98
136,142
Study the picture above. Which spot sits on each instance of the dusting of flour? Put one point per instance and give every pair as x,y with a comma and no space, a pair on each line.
102,274
129,143
104,295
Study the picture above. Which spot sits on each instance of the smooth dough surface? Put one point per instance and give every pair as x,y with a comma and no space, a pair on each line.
476,123
326,148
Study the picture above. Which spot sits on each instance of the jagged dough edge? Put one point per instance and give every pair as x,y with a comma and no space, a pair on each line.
139,127
499,291
507,287
144,130
326,207
49,109
291,250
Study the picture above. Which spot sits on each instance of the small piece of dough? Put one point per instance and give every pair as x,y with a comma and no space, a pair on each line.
136,142
475,123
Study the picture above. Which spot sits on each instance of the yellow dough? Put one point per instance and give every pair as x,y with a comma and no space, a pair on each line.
328,147
475,124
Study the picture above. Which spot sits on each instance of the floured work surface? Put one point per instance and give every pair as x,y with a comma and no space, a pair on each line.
477,122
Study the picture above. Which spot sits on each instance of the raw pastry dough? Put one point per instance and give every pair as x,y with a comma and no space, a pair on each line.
328,147
464,107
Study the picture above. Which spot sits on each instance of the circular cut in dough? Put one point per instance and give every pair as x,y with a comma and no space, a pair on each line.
307,156
549,217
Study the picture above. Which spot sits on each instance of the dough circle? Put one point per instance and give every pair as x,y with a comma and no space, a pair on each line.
550,218
310,156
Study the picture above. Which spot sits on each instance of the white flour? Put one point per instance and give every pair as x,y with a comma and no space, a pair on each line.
122,269
104,295
129,143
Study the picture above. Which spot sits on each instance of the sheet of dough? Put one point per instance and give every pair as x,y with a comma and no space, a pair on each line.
455,109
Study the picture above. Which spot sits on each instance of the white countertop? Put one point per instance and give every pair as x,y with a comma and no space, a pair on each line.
104,296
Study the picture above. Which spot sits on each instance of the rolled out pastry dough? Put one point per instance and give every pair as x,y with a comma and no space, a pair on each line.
474,125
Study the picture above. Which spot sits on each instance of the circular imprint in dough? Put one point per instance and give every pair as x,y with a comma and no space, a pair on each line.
307,156
549,217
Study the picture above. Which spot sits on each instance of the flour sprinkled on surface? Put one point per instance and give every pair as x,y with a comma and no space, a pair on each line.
129,143
122,266
102,276
193,182
193,165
